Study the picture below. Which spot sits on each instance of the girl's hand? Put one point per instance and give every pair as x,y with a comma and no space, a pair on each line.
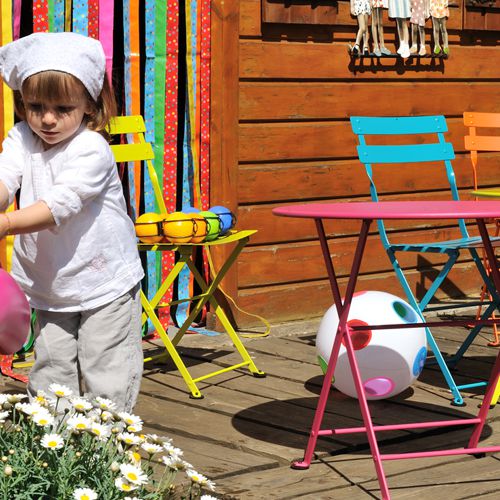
4,225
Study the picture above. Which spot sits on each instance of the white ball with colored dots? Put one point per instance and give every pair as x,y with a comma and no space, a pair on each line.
389,360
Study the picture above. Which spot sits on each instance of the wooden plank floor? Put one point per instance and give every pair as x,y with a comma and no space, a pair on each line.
245,431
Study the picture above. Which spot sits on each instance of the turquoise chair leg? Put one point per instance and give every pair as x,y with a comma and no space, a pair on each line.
457,397
452,258
495,304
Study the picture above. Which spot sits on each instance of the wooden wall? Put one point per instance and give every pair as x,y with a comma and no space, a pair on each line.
283,95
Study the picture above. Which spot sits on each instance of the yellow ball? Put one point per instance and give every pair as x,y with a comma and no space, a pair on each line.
178,228
148,227
200,227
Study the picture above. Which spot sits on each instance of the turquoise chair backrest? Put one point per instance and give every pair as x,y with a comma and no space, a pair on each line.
372,155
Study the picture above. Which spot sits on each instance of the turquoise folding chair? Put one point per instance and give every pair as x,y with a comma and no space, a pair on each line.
410,130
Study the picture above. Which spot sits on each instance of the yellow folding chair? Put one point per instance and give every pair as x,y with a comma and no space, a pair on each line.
142,151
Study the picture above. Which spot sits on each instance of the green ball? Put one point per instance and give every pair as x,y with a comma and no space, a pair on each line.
213,225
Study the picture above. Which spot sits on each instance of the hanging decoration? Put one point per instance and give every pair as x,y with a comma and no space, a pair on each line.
146,77
11,14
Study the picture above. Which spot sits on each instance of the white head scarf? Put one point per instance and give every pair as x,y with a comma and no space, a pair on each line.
78,55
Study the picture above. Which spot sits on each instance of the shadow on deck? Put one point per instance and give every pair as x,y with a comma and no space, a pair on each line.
246,431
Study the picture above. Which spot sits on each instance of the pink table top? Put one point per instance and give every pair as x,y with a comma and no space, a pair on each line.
394,210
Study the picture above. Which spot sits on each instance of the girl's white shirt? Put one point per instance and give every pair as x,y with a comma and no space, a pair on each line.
90,257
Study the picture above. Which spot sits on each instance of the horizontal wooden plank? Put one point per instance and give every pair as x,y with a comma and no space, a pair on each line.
251,21
303,261
311,299
321,140
262,60
259,183
299,13
273,229
326,100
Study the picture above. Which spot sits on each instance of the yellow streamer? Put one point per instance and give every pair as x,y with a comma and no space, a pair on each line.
8,107
8,100
67,15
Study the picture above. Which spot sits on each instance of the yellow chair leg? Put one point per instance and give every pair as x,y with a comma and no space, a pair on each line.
496,395
206,295
150,313
219,312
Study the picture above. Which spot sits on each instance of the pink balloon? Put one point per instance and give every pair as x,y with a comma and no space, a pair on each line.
14,315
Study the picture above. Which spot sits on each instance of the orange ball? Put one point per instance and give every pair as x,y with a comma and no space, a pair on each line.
200,227
178,228
148,227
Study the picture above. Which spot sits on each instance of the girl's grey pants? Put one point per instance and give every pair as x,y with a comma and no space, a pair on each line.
94,353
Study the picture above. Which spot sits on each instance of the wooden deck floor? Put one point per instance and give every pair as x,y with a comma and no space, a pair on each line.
246,430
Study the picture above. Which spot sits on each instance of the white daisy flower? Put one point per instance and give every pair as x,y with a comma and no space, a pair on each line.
209,484
134,428
81,404
154,438
15,398
79,423
123,485
23,408
151,448
29,408
42,399
43,418
129,438
101,431
84,494
175,463
3,399
172,450
52,441
200,479
133,474
106,415
130,419
105,404
60,391
134,457
3,416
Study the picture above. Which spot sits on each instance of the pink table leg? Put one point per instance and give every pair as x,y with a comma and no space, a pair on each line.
343,332
495,372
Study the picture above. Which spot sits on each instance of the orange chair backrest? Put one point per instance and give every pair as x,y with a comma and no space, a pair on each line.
475,142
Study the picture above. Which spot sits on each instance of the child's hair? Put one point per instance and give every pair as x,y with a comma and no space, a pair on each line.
47,86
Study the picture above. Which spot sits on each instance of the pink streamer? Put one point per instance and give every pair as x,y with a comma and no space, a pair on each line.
106,8
16,22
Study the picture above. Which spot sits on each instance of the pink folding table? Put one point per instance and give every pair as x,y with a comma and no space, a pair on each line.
367,212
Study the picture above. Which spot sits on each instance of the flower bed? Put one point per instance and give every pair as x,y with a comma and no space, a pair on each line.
60,447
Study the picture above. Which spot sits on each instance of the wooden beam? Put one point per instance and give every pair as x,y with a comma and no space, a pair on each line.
224,120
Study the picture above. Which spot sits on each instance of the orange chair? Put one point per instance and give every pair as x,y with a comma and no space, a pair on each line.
476,143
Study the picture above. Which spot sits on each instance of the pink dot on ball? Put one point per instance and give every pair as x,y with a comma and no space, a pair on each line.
378,386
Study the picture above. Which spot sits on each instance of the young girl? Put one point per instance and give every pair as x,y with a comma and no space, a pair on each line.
75,255
362,10
440,12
